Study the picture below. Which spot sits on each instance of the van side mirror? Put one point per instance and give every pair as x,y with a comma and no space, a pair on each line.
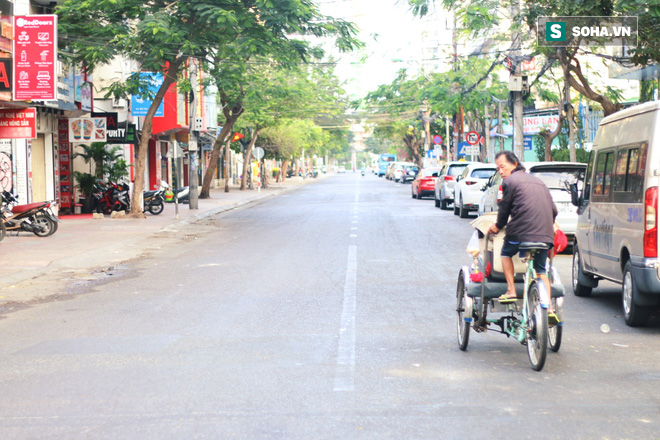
575,196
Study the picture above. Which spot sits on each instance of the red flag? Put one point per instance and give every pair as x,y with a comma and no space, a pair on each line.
237,137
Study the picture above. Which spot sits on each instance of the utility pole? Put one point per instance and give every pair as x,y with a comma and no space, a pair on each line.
518,144
192,141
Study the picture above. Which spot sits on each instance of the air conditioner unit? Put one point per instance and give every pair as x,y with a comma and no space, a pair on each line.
118,103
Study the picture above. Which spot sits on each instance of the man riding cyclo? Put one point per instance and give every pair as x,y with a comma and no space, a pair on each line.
528,212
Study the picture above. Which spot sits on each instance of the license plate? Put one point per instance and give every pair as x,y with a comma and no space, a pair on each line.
565,207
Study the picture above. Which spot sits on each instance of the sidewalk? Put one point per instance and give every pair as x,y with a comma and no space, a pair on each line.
83,247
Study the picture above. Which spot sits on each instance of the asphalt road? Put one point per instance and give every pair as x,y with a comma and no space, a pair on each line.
324,313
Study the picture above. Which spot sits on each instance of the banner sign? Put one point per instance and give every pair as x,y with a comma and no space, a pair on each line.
35,57
531,125
5,74
65,163
18,124
87,130
139,104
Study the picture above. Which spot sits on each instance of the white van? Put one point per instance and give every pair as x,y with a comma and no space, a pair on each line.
617,231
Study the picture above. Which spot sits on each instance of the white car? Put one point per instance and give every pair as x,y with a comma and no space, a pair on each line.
469,187
444,185
398,170
557,176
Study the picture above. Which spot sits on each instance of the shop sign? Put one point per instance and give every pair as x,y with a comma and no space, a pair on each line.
35,57
18,123
65,163
87,130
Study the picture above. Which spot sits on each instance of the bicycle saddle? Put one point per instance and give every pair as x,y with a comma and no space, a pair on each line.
533,245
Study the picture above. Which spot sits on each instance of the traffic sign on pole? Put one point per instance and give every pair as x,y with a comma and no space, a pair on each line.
472,138
437,139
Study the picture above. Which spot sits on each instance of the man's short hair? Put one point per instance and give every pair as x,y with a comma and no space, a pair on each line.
511,158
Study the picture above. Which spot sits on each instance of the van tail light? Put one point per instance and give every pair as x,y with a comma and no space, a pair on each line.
651,223
499,194
449,177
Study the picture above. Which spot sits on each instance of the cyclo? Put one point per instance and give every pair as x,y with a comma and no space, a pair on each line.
526,320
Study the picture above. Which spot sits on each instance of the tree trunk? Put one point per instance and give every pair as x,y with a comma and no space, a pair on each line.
575,77
147,129
247,161
227,166
282,176
231,116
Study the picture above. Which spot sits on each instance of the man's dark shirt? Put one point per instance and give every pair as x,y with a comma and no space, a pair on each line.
529,204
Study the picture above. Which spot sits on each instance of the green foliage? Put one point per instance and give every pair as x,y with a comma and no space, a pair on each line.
103,158
86,183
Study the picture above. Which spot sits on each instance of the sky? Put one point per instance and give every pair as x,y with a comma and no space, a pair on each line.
391,34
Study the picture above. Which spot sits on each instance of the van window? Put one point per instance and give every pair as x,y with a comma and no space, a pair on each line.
629,174
603,176
587,177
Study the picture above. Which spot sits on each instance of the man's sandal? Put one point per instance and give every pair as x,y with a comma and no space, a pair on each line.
553,319
505,299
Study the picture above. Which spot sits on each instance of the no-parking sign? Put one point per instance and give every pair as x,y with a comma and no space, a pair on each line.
437,139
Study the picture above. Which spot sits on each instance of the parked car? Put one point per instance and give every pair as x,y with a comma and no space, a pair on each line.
389,171
617,232
424,183
342,169
397,173
444,185
409,173
557,176
469,187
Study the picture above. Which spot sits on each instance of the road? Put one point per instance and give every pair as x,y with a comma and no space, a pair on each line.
323,313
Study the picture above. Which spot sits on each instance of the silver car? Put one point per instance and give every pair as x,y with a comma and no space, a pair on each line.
557,176
444,185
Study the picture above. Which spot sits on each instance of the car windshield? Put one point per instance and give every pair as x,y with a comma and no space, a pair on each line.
558,180
430,173
456,170
483,173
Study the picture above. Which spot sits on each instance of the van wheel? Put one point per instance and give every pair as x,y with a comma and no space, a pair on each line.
634,314
576,274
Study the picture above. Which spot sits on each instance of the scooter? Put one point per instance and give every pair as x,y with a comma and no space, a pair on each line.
37,218
154,200
122,199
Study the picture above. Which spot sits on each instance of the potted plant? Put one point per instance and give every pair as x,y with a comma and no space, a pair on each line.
86,185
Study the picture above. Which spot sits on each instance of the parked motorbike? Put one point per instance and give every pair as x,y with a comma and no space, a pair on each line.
154,200
112,197
37,218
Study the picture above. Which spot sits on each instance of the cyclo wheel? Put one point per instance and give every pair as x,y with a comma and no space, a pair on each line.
554,332
537,329
462,326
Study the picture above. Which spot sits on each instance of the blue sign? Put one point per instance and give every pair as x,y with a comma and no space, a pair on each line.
430,154
462,145
527,143
139,105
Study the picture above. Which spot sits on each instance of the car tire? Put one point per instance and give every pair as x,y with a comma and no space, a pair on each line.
463,211
455,208
634,315
437,202
444,205
576,274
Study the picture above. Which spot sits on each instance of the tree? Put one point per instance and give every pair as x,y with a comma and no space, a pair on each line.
103,158
162,34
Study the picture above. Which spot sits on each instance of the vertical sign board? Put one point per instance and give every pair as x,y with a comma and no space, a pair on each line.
35,57
65,163
140,104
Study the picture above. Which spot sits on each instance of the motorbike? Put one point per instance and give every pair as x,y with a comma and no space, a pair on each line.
37,218
154,200
112,197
